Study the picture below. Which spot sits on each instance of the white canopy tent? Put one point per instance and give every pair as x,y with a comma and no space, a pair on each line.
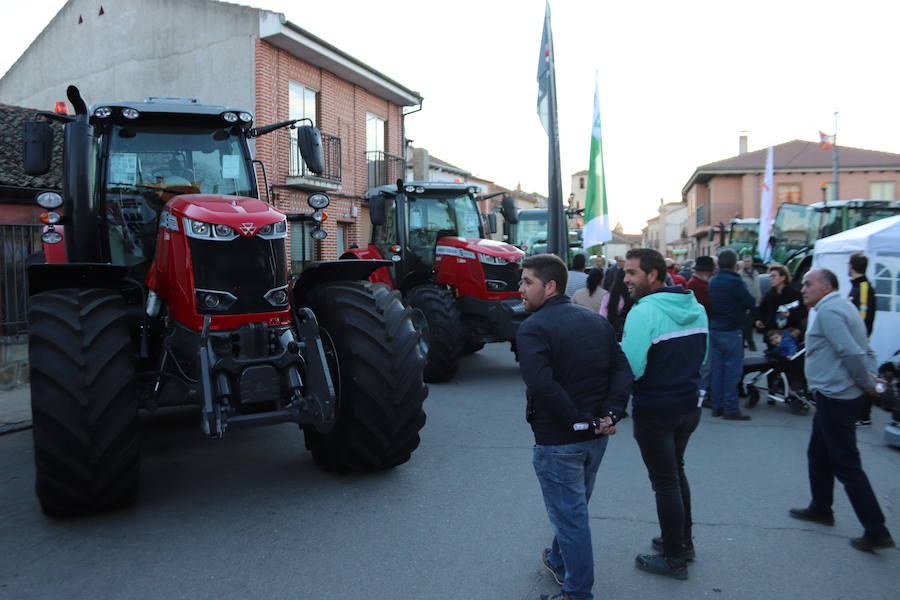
880,242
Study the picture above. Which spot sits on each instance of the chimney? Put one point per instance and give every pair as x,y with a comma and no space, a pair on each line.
742,143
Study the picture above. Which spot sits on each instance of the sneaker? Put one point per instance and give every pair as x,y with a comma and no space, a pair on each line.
804,514
658,546
736,417
870,543
559,596
559,574
864,423
660,565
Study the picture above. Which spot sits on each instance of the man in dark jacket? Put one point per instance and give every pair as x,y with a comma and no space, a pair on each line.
578,382
699,284
863,298
730,300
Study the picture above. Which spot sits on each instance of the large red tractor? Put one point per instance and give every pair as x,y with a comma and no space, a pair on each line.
167,285
463,287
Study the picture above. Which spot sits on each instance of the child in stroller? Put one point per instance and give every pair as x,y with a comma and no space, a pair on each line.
779,372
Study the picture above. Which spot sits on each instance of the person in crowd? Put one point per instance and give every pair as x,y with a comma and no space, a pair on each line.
577,383
863,298
592,295
780,294
610,278
751,280
616,304
839,370
665,342
782,343
577,276
704,268
729,301
673,273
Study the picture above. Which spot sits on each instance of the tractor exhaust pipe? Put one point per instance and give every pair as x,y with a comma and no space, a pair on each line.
84,222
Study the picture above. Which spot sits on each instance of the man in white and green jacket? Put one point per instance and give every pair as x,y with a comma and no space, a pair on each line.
665,342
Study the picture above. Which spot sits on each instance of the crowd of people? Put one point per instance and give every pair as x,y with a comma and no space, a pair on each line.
670,345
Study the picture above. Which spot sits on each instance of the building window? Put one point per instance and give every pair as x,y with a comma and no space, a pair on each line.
302,104
342,235
301,246
883,190
374,133
887,288
581,183
789,192
701,218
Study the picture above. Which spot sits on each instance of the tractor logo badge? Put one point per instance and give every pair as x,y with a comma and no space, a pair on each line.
248,228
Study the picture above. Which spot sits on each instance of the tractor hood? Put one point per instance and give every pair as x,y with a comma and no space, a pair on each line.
458,245
241,213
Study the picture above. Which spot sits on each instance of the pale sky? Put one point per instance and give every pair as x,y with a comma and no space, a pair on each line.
679,81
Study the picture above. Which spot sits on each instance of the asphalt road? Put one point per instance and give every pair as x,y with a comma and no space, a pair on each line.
252,517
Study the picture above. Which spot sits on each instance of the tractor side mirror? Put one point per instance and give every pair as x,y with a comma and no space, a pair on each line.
508,210
492,222
376,210
309,141
711,235
38,147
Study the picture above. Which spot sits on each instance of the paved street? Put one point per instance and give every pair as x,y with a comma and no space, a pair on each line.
252,517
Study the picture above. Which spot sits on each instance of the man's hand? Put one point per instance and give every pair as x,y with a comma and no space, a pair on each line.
605,427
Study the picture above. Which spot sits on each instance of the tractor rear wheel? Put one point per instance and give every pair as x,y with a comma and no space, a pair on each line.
381,387
83,401
445,334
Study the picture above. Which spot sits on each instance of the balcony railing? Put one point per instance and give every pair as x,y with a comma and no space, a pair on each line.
330,178
384,168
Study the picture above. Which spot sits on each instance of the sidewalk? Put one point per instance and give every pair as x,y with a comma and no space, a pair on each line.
15,409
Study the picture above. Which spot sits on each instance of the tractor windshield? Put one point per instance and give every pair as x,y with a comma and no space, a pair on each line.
146,167
745,234
531,228
431,218
791,230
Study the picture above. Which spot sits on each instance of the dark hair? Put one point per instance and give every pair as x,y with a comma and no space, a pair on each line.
593,280
578,262
651,260
830,278
727,260
859,262
618,290
781,270
548,267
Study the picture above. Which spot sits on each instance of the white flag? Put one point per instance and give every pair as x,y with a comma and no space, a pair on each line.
765,208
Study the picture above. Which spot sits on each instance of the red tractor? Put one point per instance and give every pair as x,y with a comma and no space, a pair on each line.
463,287
173,290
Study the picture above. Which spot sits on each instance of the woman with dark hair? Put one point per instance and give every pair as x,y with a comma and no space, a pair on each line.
781,294
592,295
616,304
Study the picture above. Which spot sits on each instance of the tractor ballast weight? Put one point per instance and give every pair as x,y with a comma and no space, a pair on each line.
462,287
176,292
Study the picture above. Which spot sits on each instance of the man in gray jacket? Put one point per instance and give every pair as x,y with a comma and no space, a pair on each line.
839,369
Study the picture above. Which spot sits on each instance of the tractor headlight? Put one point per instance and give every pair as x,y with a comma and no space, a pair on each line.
199,228
49,200
318,201
265,230
130,113
51,236
492,260
224,231
318,234
273,231
102,112
202,230
230,117
245,117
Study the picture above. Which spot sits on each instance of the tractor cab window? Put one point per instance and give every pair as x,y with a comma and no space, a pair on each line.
530,231
431,218
791,228
147,166
385,235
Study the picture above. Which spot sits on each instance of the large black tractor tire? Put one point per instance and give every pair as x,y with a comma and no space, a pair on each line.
83,401
381,387
445,333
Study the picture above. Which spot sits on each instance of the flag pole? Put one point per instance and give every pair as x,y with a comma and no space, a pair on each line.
834,163
557,238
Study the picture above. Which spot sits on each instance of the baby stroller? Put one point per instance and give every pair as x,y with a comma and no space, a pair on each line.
781,378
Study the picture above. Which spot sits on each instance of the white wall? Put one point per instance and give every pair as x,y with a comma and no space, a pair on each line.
138,48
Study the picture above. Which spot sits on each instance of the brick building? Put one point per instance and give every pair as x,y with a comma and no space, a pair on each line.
241,57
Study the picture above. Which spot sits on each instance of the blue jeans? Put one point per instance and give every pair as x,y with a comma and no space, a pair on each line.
566,473
726,350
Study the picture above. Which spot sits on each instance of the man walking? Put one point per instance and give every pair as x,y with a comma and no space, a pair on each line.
730,301
864,300
578,382
839,372
665,342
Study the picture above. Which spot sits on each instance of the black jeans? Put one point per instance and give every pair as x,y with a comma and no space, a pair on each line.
662,443
833,454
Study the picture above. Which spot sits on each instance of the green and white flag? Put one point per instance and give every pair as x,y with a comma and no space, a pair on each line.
596,215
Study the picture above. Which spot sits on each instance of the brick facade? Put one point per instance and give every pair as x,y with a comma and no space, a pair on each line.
342,108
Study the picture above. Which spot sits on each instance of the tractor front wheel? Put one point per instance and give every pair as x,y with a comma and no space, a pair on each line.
381,387
445,334
83,401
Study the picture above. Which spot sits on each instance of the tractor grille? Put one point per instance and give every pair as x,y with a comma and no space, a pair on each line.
246,268
509,274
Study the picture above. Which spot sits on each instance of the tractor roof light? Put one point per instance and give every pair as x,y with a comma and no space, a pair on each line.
230,117
420,189
318,201
130,113
103,112
409,188
49,200
245,117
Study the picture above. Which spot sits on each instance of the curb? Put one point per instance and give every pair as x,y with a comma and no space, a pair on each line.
13,427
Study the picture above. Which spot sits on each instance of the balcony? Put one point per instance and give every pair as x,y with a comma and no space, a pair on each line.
302,178
384,168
